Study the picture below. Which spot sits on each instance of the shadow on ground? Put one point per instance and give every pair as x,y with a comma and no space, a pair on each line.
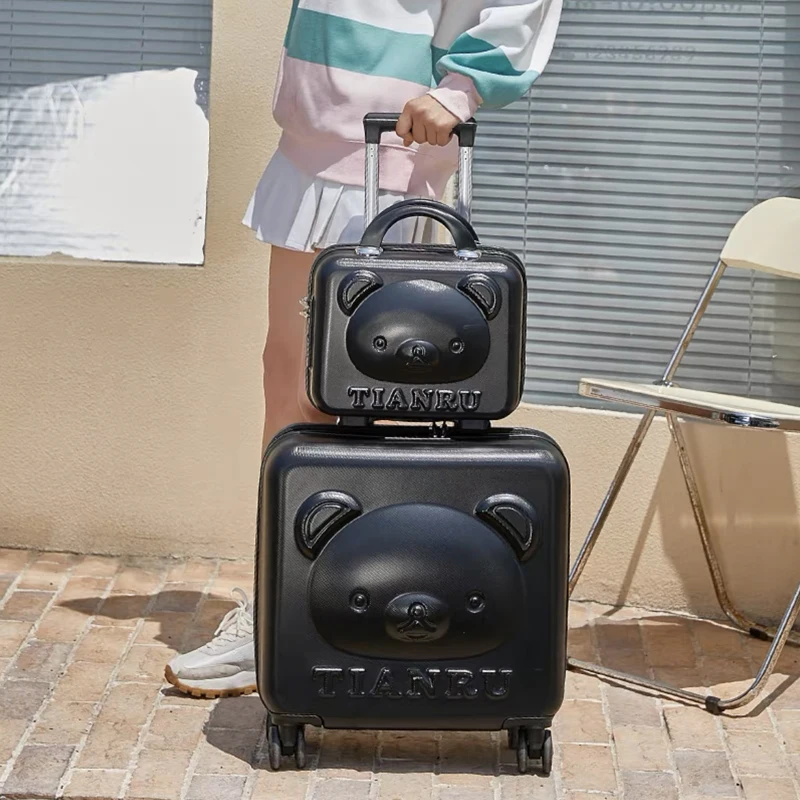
236,729
698,655
175,618
692,654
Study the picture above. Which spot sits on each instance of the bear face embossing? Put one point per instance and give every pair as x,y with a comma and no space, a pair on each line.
418,331
417,581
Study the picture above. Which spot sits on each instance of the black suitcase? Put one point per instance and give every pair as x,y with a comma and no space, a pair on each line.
368,303
409,577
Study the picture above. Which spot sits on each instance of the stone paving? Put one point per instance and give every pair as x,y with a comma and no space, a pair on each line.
84,712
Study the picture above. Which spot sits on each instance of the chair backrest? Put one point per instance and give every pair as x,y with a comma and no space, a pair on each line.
767,238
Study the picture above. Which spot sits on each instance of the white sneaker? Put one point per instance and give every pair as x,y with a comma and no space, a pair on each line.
226,665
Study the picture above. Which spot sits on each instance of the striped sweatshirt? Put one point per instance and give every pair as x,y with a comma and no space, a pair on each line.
344,58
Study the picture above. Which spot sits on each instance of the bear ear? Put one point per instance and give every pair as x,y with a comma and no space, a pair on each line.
320,517
513,518
356,287
484,292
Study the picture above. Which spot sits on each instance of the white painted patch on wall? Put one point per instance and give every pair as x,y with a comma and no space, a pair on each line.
111,168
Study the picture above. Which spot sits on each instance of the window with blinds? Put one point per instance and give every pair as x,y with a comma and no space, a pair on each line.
657,124
103,129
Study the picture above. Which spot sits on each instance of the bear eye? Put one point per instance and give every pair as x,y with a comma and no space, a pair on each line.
359,601
379,343
476,603
457,346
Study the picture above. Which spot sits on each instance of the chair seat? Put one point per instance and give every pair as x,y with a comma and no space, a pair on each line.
731,409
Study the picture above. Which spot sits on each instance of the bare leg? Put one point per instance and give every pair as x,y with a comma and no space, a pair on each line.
199,672
284,354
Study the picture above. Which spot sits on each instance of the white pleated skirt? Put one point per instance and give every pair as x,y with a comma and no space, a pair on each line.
300,212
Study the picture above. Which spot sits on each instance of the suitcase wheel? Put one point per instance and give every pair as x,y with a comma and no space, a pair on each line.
523,741
300,749
547,755
287,740
513,738
274,745
522,751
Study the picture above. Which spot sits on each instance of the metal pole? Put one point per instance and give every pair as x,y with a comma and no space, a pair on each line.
371,182
694,321
464,196
608,501
767,668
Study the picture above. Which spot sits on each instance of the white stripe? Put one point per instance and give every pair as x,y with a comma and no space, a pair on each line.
402,16
524,31
547,36
457,18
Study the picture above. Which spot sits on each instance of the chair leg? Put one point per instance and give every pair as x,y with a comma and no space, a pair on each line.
779,641
732,612
780,636
609,500
644,425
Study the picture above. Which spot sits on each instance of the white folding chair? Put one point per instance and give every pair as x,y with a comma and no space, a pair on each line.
767,238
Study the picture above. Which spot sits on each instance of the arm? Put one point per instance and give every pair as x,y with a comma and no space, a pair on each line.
501,50
490,54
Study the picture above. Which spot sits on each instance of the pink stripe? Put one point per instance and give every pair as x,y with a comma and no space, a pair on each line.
458,95
321,111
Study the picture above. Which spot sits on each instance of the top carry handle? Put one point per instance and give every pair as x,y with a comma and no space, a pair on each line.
375,125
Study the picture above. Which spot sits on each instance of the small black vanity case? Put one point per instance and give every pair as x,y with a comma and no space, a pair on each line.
416,332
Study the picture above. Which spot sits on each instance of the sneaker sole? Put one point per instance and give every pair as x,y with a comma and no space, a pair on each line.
208,694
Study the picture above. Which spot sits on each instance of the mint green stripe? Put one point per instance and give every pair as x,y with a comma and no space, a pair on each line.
496,80
357,47
289,27
437,54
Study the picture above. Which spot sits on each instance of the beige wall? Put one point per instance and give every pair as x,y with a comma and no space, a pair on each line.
130,402
130,396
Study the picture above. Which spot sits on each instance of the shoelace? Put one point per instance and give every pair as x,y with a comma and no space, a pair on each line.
237,621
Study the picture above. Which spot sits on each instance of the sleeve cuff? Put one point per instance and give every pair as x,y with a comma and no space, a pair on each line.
458,95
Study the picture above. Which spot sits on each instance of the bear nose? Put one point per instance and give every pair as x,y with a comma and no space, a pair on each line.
419,353
417,617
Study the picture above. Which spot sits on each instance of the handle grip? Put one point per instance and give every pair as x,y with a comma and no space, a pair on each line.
464,235
376,124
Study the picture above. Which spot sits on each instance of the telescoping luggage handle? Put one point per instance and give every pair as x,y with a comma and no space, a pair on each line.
375,125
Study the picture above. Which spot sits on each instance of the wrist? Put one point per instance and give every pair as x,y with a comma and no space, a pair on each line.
458,95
